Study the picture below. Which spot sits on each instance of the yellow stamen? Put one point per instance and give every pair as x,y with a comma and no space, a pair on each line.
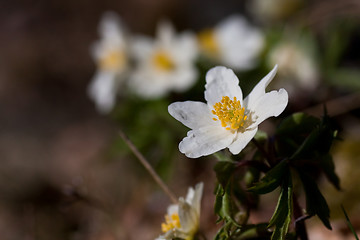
114,60
163,61
171,222
208,42
230,113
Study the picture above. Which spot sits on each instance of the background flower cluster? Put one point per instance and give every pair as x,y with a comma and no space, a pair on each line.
153,67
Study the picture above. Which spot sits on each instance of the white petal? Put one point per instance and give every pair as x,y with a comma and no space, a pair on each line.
102,90
141,47
194,197
165,32
269,105
190,195
189,219
205,141
242,139
259,89
186,49
173,209
221,81
174,233
160,238
239,42
111,27
191,114
183,78
147,84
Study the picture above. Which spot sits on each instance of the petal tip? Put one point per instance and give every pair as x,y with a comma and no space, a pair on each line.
285,95
171,108
275,68
220,73
210,75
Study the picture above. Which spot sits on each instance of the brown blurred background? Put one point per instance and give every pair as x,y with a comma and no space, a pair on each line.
54,180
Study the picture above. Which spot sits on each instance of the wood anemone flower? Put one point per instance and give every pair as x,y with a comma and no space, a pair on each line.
226,120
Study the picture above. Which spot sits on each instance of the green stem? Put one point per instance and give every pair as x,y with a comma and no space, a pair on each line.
263,152
300,227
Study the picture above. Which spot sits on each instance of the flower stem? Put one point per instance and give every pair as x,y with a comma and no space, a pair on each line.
148,167
263,152
300,227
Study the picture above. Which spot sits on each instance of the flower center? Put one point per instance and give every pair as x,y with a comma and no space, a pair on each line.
163,61
171,222
230,113
114,60
208,42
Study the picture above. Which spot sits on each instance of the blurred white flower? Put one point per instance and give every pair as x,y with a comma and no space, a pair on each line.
183,219
297,67
163,64
226,120
233,43
111,59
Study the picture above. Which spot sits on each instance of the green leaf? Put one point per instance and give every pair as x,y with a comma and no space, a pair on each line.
315,201
328,133
222,157
271,180
224,171
297,123
219,194
292,132
261,136
349,223
307,147
220,234
319,140
223,232
328,167
256,231
224,206
228,208
283,212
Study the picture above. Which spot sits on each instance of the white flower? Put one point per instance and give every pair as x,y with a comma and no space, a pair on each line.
163,64
296,65
182,220
112,62
233,43
226,120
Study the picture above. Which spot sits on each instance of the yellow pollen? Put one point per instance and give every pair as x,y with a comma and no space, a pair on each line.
208,42
114,60
229,113
163,61
171,222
